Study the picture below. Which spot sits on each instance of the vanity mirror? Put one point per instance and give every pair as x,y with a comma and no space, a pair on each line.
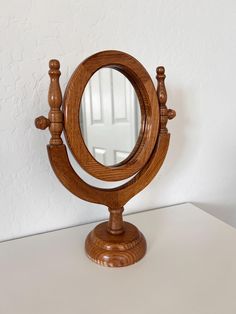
114,121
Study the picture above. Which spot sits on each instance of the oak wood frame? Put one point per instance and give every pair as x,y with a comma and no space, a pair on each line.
146,93
114,243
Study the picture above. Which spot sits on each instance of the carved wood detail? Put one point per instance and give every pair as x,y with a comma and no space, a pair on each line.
166,114
55,115
55,101
115,250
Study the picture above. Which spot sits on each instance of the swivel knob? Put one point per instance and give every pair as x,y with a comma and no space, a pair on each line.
171,114
42,123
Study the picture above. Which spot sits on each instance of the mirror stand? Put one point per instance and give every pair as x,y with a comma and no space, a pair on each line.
114,243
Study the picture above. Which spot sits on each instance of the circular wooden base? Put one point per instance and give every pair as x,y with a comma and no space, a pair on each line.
115,250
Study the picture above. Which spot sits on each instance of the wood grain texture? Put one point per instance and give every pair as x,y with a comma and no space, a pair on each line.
114,197
162,97
148,100
55,115
114,243
115,250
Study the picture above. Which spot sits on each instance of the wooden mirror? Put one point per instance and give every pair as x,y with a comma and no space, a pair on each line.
113,243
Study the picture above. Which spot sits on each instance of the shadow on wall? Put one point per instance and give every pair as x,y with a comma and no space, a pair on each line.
168,185
179,156
177,127
183,156
218,211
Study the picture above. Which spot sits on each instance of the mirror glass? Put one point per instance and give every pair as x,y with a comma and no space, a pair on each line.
110,116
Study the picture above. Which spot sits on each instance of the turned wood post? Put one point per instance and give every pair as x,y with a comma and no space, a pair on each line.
55,115
165,113
115,224
55,101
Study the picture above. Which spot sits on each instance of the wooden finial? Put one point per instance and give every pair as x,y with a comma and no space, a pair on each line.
162,98
55,115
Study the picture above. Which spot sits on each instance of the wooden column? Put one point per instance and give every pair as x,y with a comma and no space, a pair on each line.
55,116
165,113
55,101
115,223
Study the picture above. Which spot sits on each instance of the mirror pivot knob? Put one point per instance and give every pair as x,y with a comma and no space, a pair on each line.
171,114
42,123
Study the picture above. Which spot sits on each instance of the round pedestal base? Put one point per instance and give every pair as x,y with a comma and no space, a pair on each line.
115,250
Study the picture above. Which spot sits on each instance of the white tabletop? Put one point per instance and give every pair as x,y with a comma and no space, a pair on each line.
189,268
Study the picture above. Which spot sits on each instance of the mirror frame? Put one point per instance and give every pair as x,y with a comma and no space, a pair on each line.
140,125
145,90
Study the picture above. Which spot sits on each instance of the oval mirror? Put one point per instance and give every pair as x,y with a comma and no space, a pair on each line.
110,117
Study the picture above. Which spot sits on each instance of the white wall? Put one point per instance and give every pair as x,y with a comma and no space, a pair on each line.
195,40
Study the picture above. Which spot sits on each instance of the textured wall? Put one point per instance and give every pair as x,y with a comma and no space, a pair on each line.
195,40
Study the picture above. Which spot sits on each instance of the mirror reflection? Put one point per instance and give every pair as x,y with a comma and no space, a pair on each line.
110,116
